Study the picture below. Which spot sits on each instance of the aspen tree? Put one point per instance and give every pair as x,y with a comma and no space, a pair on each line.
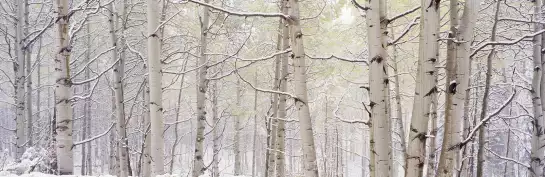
118,74
300,81
282,112
537,152
458,80
19,70
425,87
202,87
63,93
378,85
155,80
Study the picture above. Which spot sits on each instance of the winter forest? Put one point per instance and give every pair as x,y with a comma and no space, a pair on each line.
272,88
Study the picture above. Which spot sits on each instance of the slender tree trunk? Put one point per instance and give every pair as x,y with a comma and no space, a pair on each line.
202,86
425,88
176,126
399,111
238,117
378,83
254,154
28,67
118,73
63,93
86,104
458,83
271,150
19,70
146,149
537,152
38,84
114,158
300,81
216,133
282,112
484,106
433,132
155,80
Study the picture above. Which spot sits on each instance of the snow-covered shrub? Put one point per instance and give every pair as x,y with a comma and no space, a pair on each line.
32,160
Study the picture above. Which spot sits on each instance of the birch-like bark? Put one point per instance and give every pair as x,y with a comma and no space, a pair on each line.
19,70
300,81
537,146
155,80
238,117
202,86
63,93
484,106
458,83
425,88
118,73
433,133
28,67
282,112
146,148
114,161
378,85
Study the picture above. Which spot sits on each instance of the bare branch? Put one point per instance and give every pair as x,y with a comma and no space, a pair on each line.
483,45
241,14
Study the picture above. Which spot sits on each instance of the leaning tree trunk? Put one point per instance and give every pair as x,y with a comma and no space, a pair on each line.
19,70
63,93
118,72
300,81
202,86
425,87
458,83
282,112
484,106
155,80
537,146
378,85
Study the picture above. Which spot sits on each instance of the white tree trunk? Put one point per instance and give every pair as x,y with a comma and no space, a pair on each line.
537,145
425,88
456,91
146,151
155,80
202,86
19,70
28,67
282,112
378,85
63,93
118,72
300,81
